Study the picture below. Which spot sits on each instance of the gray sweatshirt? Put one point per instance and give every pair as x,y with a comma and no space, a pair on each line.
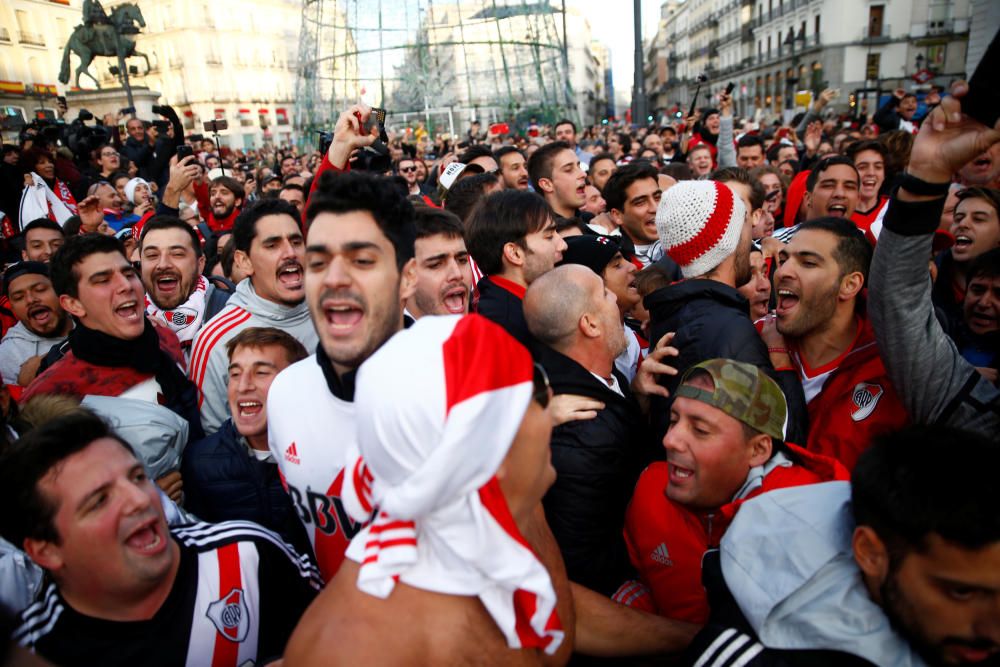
209,365
935,383
20,344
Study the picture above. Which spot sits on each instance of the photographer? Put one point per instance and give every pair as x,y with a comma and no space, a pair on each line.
138,147
169,134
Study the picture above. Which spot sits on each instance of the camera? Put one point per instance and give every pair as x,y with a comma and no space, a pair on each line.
161,126
184,151
216,126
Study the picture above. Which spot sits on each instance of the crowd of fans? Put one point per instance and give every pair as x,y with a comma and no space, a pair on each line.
709,392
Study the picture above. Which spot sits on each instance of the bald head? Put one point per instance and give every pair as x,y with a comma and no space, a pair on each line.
555,302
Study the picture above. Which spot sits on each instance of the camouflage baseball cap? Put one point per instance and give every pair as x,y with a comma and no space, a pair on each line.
743,392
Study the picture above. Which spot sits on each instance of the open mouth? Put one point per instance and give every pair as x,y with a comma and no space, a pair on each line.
632,285
962,242
250,409
128,311
343,318
679,473
290,276
40,314
787,300
837,210
147,539
167,283
455,300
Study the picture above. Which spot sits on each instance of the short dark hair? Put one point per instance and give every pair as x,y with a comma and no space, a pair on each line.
475,151
614,189
293,186
866,145
825,164
158,222
65,279
602,156
986,265
625,140
898,490
29,513
467,192
245,226
748,140
430,221
989,195
565,121
227,258
679,171
267,336
231,184
357,191
41,223
504,151
540,162
742,175
504,217
853,252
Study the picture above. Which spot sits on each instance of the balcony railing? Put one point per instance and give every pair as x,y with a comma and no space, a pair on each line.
941,27
31,38
879,34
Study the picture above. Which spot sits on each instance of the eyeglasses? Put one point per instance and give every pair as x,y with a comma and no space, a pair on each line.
406,170
109,153
542,389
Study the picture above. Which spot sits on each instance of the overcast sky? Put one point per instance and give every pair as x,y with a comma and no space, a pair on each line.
611,23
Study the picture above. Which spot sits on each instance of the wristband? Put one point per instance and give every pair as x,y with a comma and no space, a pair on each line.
918,186
777,350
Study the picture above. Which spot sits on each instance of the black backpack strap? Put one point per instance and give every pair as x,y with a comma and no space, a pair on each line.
222,289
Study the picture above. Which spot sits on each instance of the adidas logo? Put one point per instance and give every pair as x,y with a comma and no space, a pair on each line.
661,555
292,454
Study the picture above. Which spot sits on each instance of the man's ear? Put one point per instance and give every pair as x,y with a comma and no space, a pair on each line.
47,554
408,280
242,261
807,198
513,253
760,449
870,553
201,264
546,185
616,216
851,285
72,305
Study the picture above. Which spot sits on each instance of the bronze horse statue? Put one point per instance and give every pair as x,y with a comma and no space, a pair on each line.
103,39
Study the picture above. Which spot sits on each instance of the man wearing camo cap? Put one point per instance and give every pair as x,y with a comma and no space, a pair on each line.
725,445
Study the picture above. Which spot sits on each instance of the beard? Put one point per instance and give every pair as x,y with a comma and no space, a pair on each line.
812,313
905,620
741,264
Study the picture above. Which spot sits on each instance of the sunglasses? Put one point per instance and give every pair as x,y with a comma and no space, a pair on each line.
407,170
542,393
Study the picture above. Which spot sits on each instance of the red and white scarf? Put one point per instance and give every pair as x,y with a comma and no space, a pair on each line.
185,319
428,460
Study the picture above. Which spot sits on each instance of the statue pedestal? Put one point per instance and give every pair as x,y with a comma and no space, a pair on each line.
112,100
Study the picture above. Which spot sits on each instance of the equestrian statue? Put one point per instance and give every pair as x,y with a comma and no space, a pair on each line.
101,35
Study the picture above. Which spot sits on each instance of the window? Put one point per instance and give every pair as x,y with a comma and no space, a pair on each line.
876,14
872,66
935,57
816,28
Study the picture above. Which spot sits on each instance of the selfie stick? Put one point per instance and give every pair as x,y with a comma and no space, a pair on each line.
694,100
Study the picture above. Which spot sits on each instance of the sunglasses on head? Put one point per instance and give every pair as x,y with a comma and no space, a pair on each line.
542,389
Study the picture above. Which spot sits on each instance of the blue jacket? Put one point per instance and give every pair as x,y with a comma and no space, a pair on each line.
223,481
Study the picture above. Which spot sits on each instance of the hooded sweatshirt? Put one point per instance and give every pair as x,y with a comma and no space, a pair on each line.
20,344
210,361
788,563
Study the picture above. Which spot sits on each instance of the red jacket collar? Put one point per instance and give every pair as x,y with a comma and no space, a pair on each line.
509,285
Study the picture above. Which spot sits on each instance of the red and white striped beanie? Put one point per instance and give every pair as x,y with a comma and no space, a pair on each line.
437,408
699,223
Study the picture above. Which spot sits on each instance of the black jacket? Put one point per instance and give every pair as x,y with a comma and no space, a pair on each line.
224,482
597,462
712,321
504,308
139,152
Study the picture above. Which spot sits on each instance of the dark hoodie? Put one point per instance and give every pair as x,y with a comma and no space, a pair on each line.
711,321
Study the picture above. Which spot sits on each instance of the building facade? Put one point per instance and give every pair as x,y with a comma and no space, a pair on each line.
780,52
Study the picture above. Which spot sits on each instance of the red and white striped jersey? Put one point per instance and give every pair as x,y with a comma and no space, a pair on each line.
238,594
